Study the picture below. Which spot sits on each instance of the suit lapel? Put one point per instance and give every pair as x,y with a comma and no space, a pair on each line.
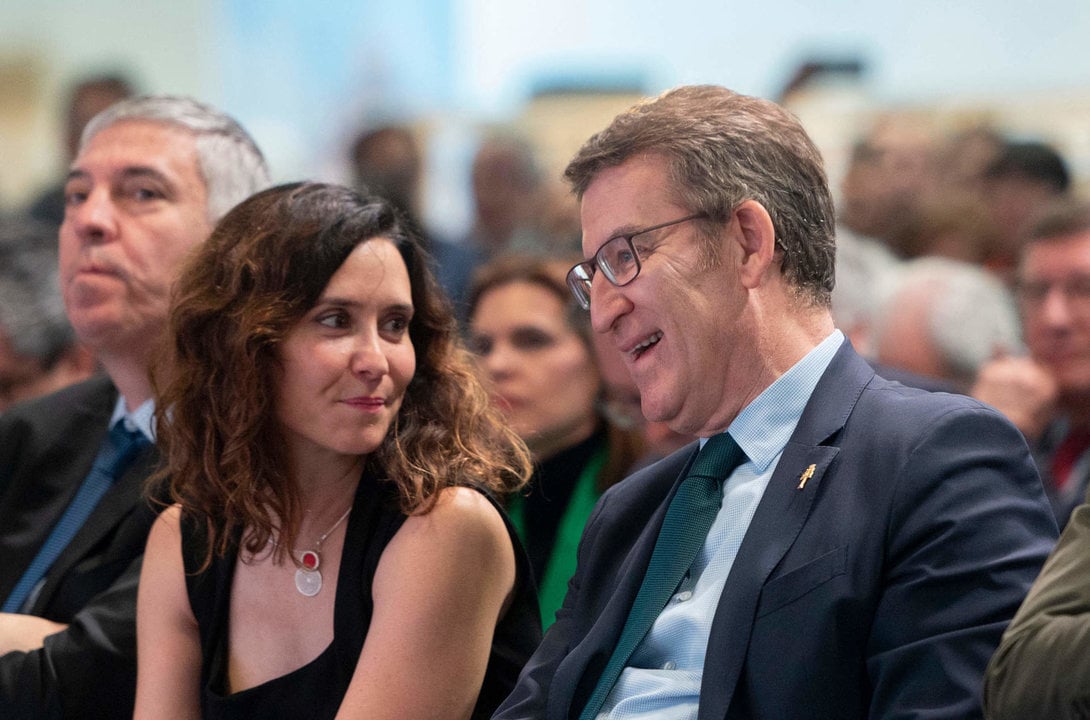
776,524
117,504
58,459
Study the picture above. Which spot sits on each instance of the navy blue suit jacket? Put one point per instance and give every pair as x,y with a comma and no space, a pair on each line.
879,589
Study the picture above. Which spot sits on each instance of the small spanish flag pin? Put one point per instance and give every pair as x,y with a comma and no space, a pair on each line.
806,475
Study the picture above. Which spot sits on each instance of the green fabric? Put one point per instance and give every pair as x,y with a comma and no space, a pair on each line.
562,559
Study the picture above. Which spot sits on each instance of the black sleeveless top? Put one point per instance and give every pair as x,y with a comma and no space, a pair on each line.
316,689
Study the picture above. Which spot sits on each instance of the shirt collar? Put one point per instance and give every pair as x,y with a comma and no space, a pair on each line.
142,418
764,426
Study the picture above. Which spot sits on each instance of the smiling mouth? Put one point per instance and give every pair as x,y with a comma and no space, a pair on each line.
642,347
366,402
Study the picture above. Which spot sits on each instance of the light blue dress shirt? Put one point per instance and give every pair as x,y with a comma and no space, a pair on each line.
662,680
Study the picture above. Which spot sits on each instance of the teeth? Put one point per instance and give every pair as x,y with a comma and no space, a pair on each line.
647,343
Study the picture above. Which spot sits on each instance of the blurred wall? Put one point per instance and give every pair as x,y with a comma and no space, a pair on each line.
304,77
46,44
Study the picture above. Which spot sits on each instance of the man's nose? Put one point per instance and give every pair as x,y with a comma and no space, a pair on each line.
500,361
94,218
1056,307
607,303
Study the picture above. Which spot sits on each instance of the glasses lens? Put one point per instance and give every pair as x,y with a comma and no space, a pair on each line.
579,283
617,259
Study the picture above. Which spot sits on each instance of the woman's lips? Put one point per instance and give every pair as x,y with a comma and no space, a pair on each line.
366,403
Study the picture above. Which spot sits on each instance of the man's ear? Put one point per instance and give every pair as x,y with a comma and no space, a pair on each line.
757,238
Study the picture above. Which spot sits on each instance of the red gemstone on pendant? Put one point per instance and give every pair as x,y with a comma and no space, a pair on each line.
310,560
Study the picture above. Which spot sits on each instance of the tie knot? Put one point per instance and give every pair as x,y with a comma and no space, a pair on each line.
124,444
718,458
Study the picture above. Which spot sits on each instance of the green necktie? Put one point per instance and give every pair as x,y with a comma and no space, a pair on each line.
684,530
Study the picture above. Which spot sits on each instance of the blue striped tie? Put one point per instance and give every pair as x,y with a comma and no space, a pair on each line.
117,451
684,530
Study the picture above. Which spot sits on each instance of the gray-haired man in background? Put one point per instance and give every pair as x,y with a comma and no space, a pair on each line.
152,176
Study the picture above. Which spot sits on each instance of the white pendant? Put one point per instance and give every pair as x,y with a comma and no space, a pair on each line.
308,582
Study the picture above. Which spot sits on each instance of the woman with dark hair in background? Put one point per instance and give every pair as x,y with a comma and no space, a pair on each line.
335,547
534,344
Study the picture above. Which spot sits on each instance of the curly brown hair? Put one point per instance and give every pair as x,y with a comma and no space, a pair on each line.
263,268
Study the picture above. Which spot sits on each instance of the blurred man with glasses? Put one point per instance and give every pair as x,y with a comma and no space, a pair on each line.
1042,667
836,546
1047,395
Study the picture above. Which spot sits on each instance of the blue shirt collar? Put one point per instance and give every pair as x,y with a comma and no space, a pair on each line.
142,418
764,426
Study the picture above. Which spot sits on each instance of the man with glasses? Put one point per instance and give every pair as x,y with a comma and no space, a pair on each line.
1047,395
1042,667
837,546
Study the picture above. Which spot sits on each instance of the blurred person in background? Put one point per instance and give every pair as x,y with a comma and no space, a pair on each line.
865,271
944,320
151,178
1022,180
87,98
963,158
1047,394
39,352
955,224
890,171
387,160
509,198
533,343
866,274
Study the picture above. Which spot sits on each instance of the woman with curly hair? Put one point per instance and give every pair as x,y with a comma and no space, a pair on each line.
534,344
335,547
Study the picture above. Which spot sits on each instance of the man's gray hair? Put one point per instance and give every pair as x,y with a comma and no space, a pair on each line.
229,160
971,315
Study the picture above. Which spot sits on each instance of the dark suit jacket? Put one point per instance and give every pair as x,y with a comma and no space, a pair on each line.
879,589
47,447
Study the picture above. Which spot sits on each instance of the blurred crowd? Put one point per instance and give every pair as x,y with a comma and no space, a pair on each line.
963,265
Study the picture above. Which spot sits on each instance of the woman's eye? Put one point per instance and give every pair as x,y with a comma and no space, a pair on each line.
333,320
397,325
480,345
531,339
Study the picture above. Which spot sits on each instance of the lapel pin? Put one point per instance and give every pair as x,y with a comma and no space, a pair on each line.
806,475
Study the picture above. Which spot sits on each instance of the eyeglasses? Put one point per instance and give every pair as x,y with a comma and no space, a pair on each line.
1075,290
618,259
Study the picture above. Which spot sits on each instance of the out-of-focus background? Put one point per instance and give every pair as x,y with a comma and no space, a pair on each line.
952,131
306,78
